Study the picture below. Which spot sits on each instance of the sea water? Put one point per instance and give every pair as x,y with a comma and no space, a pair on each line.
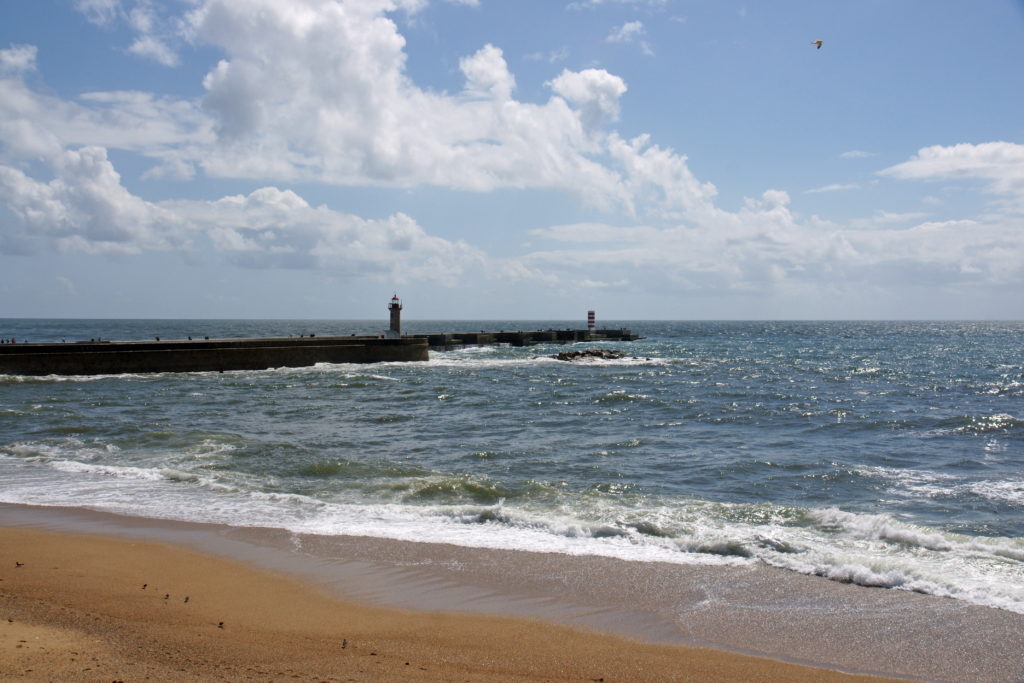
878,453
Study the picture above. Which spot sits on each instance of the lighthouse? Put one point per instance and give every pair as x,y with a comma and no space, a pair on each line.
395,308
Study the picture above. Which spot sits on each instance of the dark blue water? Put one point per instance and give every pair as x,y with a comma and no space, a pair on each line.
883,453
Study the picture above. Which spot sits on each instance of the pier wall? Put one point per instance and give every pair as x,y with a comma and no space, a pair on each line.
104,358
214,355
449,340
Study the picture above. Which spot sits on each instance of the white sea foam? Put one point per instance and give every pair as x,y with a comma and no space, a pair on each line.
870,550
73,466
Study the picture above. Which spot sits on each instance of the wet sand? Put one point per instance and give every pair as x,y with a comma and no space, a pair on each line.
338,608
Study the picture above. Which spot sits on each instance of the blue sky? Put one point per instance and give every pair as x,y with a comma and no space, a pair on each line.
512,159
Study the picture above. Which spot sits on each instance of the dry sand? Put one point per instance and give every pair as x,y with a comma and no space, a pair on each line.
94,608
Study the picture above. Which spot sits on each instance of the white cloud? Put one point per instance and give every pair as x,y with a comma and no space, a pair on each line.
154,30
559,55
86,208
883,218
1000,163
630,32
99,11
627,33
660,181
41,125
587,4
276,228
18,58
487,74
764,249
834,187
317,91
856,154
153,48
595,92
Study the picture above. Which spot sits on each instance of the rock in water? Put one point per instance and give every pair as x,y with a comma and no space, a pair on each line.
589,354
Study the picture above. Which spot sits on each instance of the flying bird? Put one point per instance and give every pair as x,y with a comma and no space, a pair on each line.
816,42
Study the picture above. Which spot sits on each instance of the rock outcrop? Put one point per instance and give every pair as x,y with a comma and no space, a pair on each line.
589,354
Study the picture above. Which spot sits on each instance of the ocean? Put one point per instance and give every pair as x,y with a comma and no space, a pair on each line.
875,453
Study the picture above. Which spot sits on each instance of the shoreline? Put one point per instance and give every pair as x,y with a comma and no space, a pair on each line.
793,619
74,607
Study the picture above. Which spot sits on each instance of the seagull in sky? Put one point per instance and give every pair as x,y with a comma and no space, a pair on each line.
816,42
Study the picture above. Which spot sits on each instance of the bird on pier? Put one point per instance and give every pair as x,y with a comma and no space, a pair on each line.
816,42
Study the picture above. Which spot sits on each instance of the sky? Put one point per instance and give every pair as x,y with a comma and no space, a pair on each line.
512,159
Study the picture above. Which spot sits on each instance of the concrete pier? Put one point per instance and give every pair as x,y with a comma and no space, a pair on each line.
453,340
206,355
219,355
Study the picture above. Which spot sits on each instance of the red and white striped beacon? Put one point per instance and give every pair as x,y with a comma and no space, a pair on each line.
590,320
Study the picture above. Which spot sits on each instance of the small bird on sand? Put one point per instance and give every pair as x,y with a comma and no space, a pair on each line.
186,598
144,586
19,564
220,624
167,596
816,42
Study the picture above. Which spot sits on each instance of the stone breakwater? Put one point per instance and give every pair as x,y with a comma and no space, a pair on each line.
102,357
202,355
443,341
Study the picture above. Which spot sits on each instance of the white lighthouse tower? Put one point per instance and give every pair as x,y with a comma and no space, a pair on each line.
395,308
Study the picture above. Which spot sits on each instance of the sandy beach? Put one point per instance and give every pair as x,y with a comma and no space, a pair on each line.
98,608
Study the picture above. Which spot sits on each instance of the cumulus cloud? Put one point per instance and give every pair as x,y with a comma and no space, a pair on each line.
487,74
316,90
86,208
274,228
594,92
